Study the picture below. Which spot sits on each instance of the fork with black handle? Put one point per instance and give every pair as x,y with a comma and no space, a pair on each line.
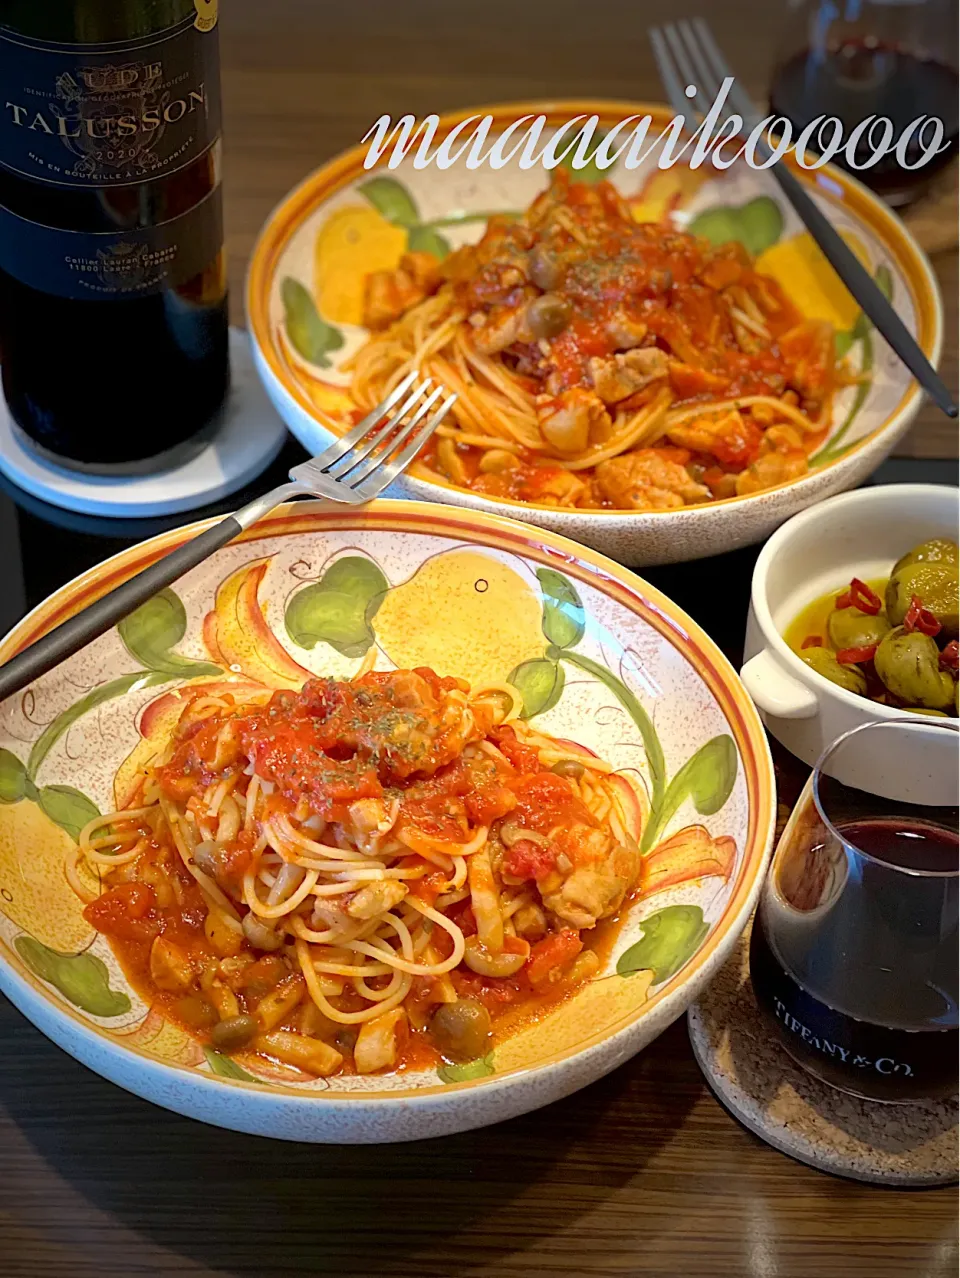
353,470
687,54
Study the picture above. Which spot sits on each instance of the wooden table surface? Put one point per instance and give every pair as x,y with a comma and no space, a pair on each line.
642,1173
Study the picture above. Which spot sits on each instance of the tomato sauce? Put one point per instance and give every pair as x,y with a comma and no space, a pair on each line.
395,737
617,287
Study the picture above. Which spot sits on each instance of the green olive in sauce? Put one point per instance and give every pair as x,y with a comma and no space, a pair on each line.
892,639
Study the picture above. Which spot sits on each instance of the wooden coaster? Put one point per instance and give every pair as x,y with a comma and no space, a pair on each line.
905,1145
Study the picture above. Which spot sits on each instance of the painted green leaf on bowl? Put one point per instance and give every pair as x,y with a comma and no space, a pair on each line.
154,629
884,281
707,778
311,336
13,778
540,683
227,1068
564,618
838,442
94,698
590,172
392,200
424,239
480,1068
756,224
68,808
82,979
670,938
842,342
339,608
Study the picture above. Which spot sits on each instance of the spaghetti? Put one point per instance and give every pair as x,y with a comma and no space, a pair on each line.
362,875
600,362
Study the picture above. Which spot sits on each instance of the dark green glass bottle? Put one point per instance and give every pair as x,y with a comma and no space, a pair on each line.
113,305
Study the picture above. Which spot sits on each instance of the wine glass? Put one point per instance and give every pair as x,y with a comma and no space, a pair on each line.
853,956
854,58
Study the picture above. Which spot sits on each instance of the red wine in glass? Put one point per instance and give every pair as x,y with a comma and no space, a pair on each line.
853,956
913,845
861,76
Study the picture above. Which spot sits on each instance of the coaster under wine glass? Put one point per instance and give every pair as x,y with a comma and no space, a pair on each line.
247,438
753,1077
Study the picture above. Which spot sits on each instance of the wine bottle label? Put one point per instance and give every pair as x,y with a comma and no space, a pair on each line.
102,115
111,264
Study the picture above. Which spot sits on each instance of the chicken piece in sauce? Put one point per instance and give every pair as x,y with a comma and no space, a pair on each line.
573,420
782,458
620,376
600,872
732,438
581,871
389,294
648,480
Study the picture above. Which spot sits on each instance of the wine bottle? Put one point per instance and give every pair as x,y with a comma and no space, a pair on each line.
113,299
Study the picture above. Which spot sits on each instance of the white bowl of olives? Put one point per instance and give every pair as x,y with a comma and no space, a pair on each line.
853,615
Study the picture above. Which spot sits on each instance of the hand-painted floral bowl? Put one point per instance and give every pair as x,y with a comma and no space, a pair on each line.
305,289
633,679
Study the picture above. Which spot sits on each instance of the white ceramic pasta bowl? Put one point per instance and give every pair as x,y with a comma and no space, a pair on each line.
859,534
329,232
460,592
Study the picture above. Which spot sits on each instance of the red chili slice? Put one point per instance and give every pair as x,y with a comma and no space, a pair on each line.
864,598
950,657
919,618
844,601
854,656
812,641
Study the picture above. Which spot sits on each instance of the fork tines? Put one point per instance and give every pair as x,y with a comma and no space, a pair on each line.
687,54
362,462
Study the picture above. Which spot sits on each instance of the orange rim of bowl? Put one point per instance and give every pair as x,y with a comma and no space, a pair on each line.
339,172
510,536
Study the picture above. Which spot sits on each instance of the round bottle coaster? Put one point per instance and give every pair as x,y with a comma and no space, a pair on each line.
755,1079
247,438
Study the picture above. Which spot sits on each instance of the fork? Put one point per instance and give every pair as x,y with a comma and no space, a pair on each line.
353,470
687,55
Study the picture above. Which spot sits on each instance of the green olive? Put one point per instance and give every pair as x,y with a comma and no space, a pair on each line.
548,315
572,768
909,667
938,550
461,1030
233,1033
546,267
851,628
825,663
935,584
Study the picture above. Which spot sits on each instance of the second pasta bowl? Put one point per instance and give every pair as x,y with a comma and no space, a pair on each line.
661,365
